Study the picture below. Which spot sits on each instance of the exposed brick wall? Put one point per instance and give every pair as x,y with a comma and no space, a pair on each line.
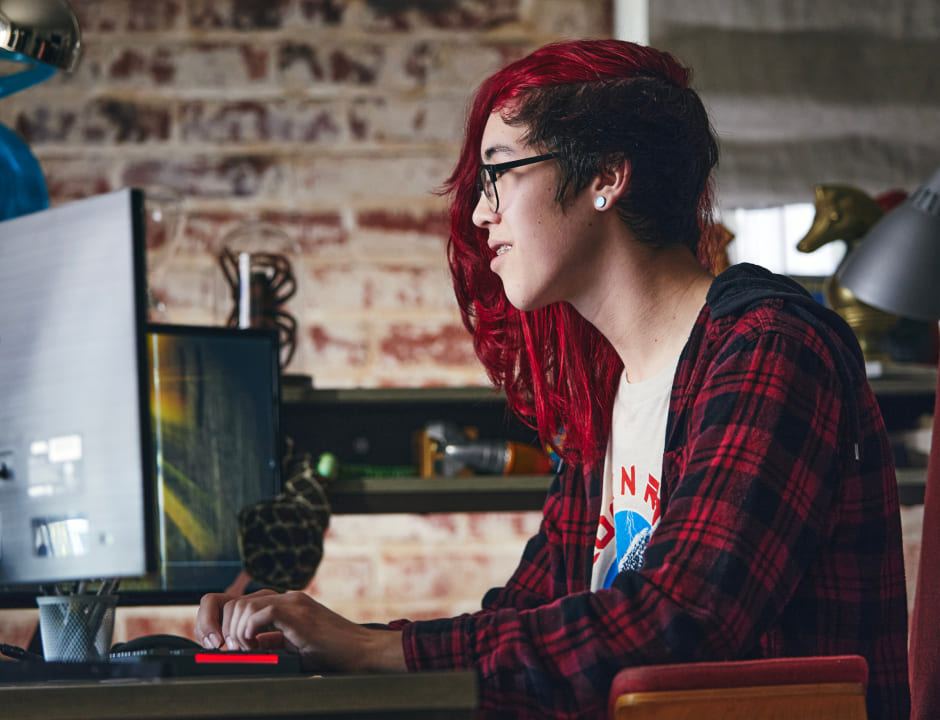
335,120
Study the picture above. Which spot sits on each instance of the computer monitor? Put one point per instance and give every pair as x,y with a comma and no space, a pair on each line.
215,411
75,437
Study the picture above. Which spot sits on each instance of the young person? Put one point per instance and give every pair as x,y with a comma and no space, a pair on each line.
727,489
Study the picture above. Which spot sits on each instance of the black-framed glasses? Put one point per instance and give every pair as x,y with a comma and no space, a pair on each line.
488,174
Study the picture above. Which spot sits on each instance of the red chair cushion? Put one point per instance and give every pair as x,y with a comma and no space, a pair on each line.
742,673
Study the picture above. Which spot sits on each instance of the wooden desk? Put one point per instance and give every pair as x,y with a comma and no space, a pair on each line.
351,697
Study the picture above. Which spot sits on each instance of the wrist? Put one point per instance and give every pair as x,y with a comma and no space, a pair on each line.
383,651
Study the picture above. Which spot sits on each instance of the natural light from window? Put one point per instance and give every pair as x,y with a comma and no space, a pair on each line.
768,237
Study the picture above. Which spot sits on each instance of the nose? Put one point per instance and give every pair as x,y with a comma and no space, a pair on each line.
482,215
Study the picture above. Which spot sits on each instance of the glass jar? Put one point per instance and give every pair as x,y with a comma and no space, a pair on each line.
262,269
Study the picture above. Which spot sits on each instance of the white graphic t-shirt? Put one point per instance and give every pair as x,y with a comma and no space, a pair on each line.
632,469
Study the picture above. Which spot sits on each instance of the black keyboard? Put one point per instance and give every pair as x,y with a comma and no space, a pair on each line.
191,661
159,663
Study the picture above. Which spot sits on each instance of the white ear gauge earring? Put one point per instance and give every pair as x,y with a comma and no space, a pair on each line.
599,202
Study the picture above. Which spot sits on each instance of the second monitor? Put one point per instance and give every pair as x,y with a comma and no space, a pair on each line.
215,405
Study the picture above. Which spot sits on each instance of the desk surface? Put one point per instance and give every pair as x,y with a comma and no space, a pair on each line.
401,695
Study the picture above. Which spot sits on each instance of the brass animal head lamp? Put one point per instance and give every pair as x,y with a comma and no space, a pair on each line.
896,268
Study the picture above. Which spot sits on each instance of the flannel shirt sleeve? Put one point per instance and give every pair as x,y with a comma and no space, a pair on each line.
744,519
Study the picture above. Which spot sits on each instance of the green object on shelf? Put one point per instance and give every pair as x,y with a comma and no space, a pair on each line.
328,466
377,471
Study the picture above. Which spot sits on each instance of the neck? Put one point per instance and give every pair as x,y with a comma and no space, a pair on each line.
647,302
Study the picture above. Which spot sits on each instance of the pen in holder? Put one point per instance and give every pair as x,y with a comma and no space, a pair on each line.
76,628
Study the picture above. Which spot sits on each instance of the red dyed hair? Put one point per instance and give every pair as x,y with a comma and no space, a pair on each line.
558,372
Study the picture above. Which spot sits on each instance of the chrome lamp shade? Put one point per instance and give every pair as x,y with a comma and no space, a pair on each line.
897,265
46,31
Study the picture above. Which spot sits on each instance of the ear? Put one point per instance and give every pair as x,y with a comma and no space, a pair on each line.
612,182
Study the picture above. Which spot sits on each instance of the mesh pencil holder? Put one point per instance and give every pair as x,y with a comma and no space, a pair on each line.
76,628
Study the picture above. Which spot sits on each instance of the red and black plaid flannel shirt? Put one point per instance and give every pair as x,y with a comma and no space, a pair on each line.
780,531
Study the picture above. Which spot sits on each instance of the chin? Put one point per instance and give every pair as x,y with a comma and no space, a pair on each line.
523,304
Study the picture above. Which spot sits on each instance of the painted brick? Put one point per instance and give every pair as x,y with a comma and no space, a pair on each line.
131,622
385,246
424,376
306,64
364,286
239,121
446,343
158,64
344,576
566,19
70,177
204,229
512,526
377,180
444,573
100,121
338,287
445,67
212,175
406,288
427,376
389,16
423,223
312,232
339,343
104,16
237,14
17,627
132,65
378,530
360,120
406,119
257,120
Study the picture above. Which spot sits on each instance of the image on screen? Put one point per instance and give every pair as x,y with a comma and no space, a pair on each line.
214,403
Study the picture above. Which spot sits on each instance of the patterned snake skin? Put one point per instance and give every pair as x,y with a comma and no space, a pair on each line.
281,539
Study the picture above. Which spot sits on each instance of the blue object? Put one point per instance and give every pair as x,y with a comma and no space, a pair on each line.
22,185
34,73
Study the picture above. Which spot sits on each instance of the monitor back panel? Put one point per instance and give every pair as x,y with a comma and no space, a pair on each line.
74,427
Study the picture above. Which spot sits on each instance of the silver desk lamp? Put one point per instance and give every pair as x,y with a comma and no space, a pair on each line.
38,37
45,31
897,268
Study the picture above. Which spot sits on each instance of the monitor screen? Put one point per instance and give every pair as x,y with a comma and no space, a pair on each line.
75,468
215,411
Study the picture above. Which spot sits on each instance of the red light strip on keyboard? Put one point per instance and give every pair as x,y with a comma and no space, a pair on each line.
236,658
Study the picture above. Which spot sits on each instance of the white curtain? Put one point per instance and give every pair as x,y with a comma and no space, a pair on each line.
803,92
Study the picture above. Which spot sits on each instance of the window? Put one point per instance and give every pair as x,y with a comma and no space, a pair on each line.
768,237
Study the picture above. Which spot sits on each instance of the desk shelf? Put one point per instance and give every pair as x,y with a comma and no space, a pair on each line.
376,427
481,493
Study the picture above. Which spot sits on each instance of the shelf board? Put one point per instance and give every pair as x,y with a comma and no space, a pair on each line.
478,493
905,379
293,394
